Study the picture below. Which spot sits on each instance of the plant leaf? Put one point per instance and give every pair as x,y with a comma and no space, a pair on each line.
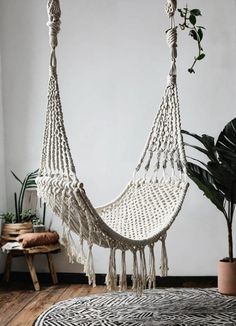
225,179
201,56
192,19
193,34
227,138
201,27
195,12
207,141
16,177
194,159
200,33
28,183
191,70
205,182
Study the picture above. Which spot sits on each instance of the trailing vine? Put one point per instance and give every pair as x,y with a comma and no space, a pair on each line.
190,17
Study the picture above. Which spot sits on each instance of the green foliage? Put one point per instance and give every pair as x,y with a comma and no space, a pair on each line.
27,215
195,31
217,177
205,182
8,217
36,221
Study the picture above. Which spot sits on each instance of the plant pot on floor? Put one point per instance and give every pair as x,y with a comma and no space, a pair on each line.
227,277
11,230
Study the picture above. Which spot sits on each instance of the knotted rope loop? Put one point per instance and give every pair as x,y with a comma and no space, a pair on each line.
171,6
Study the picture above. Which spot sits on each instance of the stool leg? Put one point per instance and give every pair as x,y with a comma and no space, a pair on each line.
52,269
29,259
7,268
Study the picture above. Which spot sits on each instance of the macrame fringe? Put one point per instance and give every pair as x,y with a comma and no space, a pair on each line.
89,267
111,277
68,242
123,277
152,267
143,268
137,279
164,258
82,256
140,277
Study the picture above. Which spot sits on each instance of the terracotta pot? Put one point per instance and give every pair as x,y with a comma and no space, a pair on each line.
227,277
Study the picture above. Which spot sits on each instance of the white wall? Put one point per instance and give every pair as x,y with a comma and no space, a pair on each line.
2,156
113,62
2,152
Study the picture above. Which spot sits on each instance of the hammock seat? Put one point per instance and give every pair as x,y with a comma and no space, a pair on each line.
146,208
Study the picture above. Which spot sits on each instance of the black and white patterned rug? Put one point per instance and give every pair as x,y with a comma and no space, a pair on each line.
156,307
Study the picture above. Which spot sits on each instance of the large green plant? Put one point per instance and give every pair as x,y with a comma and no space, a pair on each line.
217,176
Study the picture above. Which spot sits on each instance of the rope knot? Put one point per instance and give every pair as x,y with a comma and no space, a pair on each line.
171,37
171,7
171,80
54,14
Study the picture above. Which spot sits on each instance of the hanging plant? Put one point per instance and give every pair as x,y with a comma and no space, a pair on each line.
190,17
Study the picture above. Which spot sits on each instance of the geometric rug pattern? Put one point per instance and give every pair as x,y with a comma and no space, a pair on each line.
169,306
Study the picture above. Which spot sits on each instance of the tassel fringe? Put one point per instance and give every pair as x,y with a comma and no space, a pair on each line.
152,267
123,278
141,278
164,258
89,267
111,277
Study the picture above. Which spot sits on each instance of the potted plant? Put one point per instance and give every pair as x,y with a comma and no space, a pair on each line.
217,179
21,221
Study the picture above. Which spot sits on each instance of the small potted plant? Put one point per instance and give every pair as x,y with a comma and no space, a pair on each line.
20,222
217,179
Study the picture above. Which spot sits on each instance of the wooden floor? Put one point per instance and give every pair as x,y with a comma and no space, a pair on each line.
20,305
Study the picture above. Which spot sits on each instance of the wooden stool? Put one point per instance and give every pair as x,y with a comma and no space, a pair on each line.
29,254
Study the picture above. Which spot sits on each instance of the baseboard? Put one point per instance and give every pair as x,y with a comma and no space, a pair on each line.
80,278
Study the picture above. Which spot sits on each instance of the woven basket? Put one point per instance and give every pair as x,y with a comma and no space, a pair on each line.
11,230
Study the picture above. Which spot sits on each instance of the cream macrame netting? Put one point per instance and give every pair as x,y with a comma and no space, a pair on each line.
147,207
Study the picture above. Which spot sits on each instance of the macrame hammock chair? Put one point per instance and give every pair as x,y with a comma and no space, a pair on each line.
145,210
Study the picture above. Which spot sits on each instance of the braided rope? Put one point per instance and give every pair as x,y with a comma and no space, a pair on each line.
165,139
56,156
